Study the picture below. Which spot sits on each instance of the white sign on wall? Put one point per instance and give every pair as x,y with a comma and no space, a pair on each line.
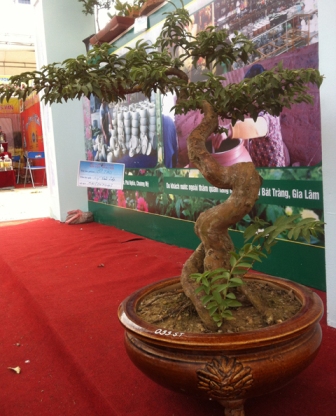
101,175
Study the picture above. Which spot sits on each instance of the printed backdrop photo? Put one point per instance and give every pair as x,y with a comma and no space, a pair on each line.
287,156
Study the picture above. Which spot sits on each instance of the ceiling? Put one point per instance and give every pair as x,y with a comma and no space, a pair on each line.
17,51
15,61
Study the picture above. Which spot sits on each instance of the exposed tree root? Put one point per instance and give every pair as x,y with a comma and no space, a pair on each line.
175,312
256,300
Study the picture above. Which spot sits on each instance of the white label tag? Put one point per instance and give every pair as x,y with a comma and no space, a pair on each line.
140,24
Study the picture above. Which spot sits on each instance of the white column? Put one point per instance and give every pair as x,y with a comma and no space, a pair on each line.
61,27
327,65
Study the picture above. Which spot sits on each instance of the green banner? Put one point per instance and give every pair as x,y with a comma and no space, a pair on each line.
141,183
307,194
275,192
194,187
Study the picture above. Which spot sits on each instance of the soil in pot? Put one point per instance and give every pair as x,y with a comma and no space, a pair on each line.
173,311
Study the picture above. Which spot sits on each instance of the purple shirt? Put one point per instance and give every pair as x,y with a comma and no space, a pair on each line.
268,151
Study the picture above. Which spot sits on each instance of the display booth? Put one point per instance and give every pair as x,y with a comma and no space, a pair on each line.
32,138
9,136
20,133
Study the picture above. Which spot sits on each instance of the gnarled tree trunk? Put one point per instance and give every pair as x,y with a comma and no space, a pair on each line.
212,225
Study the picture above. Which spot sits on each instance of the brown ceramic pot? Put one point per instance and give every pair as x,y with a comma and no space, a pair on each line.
115,27
149,6
229,368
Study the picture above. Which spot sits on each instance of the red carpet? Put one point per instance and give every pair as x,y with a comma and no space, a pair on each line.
60,289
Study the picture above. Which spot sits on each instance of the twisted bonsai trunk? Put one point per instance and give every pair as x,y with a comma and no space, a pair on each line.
212,225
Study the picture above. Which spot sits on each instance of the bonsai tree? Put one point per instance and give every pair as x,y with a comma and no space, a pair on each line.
121,8
118,7
89,5
215,266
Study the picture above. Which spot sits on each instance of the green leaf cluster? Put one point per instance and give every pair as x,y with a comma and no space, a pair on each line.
159,67
216,284
89,5
121,8
261,232
127,9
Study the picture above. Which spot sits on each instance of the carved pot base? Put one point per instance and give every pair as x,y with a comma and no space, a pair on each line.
228,368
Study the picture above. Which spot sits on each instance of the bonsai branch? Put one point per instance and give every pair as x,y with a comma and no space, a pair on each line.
258,303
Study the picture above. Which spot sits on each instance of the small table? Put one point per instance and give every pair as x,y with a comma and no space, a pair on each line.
7,177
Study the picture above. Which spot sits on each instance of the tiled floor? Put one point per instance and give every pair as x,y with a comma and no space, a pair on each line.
23,204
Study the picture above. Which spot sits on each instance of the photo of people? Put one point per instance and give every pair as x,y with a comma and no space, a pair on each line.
274,27
286,32
263,138
169,136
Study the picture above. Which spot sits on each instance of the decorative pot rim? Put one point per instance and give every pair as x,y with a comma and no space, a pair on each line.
310,313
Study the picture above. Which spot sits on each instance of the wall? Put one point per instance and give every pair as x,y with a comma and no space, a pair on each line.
61,26
327,56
